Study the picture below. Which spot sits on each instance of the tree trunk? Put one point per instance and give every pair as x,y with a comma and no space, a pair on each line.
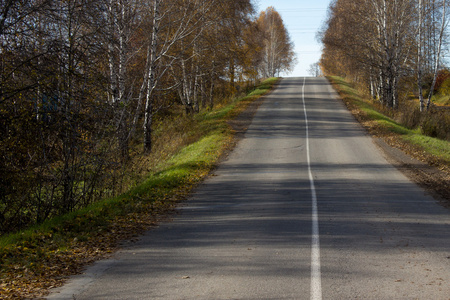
196,89
148,118
438,54
419,57
122,134
232,76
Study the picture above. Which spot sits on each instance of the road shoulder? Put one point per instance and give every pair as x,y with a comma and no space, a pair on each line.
435,181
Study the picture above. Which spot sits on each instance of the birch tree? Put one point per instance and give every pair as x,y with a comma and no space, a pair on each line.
376,37
175,44
123,21
78,79
278,51
429,44
49,59
172,22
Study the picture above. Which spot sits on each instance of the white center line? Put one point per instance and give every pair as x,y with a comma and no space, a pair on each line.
316,284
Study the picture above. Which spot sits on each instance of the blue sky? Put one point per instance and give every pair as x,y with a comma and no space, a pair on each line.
302,19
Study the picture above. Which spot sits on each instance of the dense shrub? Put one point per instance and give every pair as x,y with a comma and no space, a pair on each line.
436,123
444,88
433,123
410,116
443,76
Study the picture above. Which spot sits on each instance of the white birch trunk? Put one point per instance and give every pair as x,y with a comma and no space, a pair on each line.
438,54
148,117
419,57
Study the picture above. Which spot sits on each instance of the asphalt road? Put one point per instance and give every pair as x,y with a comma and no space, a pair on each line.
305,207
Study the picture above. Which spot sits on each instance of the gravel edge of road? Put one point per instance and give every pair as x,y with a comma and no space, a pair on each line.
430,178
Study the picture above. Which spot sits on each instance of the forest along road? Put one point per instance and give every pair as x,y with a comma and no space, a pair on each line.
305,207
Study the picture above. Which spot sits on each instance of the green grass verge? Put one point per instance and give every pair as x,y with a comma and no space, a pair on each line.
433,146
37,250
264,87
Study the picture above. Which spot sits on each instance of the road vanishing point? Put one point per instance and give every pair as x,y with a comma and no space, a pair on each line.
305,207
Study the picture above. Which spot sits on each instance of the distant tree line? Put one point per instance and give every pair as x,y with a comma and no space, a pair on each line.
81,80
386,44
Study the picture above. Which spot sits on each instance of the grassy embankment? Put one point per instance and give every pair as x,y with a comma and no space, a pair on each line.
433,150
33,260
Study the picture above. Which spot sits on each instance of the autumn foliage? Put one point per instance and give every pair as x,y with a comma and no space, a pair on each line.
85,84
387,46
393,50
278,55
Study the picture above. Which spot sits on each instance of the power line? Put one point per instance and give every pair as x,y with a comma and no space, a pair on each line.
301,10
